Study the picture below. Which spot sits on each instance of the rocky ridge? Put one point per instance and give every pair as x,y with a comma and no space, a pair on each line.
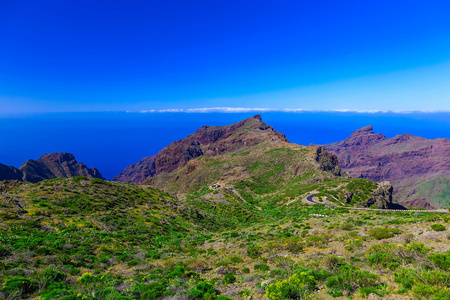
418,168
206,141
48,166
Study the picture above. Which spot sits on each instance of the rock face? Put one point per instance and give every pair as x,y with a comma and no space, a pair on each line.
418,168
382,197
328,162
209,141
49,166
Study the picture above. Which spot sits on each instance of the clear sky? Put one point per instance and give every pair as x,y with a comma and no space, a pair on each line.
68,56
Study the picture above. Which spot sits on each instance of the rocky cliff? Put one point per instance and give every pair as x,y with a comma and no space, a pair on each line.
208,141
382,197
48,166
418,168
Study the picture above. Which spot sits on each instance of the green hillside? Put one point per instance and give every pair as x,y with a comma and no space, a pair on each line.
93,239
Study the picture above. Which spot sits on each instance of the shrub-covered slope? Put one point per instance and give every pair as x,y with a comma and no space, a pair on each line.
91,239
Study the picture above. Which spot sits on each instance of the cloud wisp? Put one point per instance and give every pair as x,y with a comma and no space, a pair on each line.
288,110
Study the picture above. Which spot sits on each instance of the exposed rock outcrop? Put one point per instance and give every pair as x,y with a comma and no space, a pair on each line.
382,197
418,168
328,162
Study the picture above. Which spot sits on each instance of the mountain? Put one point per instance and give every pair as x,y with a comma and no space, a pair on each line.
418,168
208,141
48,166
256,163
10,173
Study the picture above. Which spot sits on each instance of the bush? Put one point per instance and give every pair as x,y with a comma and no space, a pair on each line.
18,287
295,248
254,251
229,278
346,226
4,252
441,260
298,286
235,259
245,270
262,267
438,227
151,291
380,233
133,263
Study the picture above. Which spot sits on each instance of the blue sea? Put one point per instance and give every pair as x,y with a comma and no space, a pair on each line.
110,141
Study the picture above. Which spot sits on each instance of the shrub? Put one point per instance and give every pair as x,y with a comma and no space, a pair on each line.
4,252
346,226
380,233
153,254
245,270
229,278
254,251
203,290
133,263
405,276
319,240
261,267
441,260
151,291
298,286
18,287
438,227
235,258
294,248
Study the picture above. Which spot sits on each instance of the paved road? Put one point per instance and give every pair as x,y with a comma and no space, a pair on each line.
310,199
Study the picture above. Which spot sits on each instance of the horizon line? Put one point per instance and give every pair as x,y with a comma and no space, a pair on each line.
287,110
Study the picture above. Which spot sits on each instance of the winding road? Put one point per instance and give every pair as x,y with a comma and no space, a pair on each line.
310,199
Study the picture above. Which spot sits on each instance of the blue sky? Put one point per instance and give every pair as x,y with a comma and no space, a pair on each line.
69,56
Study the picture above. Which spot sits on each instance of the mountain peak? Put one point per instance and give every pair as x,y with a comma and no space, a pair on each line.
207,140
57,157
366,130
258,117
54,165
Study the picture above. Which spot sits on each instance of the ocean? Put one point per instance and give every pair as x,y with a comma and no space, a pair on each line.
110,141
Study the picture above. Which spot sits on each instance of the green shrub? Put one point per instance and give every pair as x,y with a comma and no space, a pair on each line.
346,226
254,251
133,263
298,286
441,260
261,267
153,254
380,233
438,227
4,252
18,287
150,291
229,278
295,248
235,259
405,276
245,270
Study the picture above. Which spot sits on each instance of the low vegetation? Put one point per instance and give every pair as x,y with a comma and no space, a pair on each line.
92,239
